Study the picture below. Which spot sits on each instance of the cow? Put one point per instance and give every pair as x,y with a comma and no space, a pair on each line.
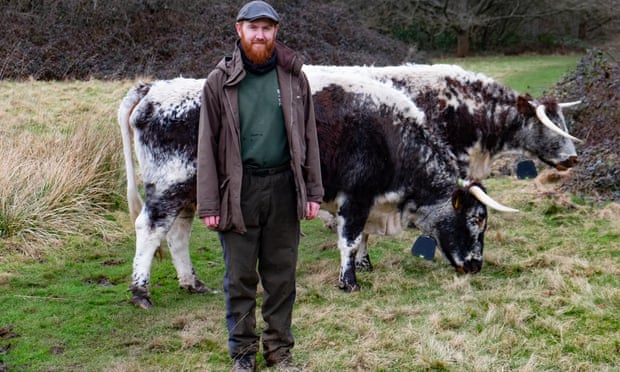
163,118
478,118
375,155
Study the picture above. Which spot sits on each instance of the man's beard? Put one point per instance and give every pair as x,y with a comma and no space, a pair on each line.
258,53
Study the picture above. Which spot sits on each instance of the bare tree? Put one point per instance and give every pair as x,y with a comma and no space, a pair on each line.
485,22
462,18
590,17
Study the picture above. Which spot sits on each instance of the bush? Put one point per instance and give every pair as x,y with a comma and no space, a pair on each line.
79,39
596,82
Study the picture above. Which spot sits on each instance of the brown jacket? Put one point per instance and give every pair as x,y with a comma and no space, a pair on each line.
220,169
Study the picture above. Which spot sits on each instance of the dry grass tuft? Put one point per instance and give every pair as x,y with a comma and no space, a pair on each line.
60,162
56,188
5,278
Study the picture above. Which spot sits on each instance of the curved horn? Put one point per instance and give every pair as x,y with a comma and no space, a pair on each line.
568,104
540,113
488,201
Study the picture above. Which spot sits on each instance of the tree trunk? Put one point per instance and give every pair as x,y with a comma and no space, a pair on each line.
582,32
462,44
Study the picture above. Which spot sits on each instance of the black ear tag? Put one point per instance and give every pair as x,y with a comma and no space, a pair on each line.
526,169
424,247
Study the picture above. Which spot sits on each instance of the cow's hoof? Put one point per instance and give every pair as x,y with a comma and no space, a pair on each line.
364,264
349,287
141,297
363,267
200,288
347,281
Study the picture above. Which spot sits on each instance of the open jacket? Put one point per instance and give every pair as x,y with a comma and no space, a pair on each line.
220,169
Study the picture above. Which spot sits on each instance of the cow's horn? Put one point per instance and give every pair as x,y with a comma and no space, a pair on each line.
540,113
488,201
568,104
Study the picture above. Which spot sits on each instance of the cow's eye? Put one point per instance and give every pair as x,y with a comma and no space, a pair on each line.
477,221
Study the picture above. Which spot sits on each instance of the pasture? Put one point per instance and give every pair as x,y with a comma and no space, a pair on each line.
547,298
525,73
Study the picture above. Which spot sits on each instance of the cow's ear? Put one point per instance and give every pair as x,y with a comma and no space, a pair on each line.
524,106
457,197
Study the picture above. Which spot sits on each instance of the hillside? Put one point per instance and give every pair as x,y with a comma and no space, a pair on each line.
53,41
596,82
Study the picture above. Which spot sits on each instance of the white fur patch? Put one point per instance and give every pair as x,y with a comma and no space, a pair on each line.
170,93
479,161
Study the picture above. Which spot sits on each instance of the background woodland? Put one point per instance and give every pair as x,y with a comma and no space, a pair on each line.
82,39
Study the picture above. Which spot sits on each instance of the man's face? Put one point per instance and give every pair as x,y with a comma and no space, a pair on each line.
258,39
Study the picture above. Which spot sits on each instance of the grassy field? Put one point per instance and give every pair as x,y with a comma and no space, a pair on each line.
548,297
527,74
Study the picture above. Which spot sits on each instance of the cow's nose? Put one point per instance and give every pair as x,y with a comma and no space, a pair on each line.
568,163
472,266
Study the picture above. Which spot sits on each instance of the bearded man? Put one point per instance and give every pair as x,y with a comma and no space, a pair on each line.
258,176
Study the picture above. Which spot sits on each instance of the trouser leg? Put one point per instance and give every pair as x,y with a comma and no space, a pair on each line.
240,283
277,267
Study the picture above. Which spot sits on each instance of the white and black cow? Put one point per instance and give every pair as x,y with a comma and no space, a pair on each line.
477,117
375,155
163,118
378,158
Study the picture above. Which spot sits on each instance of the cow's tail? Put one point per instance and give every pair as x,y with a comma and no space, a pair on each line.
134,201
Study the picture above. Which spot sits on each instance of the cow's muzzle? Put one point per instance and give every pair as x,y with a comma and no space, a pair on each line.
568,163
470,267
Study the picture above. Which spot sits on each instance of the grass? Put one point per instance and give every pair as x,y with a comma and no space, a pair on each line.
59,163
548,297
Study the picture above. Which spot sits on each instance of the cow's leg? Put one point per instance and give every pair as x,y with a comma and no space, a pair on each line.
352,216
329,220
148,238
347,280
178,244
362,259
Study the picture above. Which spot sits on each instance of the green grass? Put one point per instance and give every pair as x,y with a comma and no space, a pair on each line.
532,74
547,298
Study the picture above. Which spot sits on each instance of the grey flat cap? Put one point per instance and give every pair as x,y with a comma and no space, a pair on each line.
257,9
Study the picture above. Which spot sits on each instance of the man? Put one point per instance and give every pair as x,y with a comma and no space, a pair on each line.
258,176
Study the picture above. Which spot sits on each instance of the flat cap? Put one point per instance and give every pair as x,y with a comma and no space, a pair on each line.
257,9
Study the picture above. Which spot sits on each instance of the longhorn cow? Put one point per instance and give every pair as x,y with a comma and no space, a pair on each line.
476,116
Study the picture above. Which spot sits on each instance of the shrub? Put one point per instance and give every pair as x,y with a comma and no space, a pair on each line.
596,82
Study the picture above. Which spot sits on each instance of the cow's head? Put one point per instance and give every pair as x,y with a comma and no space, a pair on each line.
545,133
457,224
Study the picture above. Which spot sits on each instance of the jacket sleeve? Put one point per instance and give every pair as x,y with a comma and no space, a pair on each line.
208,196
312,167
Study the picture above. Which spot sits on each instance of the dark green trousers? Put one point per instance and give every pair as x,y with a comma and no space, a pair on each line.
266,252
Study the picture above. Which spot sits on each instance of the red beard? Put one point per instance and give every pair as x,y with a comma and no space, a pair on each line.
258,52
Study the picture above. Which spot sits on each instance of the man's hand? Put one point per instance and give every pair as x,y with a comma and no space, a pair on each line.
312,210
211,222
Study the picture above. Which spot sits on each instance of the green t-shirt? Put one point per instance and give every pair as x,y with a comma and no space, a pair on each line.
263,135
